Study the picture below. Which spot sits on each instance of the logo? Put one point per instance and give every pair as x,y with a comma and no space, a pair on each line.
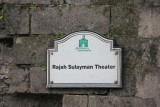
83,45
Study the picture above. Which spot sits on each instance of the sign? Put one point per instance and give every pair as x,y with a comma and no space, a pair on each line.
83,59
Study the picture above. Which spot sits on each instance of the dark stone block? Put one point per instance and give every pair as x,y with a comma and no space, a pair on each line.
31,50
148,26
4,81
31,100
6,55
125,20
106,2
16,20
75,101
152,3
114,101
62,19
19,80
27,1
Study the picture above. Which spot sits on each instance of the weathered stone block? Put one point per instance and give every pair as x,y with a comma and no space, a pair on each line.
89,2
38,79
124,20
45,2
105,2
34,1
57,2
158,56
143,52
79,2
27,1
3,79
10,1
75,101
3,36
6,50
134,2
150,50
149,86
113,101
4,85
18,80
152,3
31,50
2,27
56,19
31,100
16,20
148,26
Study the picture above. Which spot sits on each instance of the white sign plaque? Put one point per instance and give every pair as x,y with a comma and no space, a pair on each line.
84,59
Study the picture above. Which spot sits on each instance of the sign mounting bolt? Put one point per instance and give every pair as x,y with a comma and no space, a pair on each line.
51,82
51,53
116,53
116,82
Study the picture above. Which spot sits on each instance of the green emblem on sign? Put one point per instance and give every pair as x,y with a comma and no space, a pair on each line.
83,42
83,45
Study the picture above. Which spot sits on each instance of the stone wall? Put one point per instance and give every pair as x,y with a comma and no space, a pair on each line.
28,28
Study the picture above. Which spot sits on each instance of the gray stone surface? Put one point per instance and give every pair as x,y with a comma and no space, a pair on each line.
57,2
10,1
31,100
56,19
6,50
149,48
136,3
39,2
3,35
16,20
38,85
143,52
124,20
27,1
38,80
2,28
113,101
4,81
75,101
2,24
148,26
18,80
34,1
158,56
105,2
79,2
31,50
149,87
151,3
89,2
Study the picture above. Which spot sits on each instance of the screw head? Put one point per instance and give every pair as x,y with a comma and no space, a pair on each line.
51,82
116,53
51,53
115,82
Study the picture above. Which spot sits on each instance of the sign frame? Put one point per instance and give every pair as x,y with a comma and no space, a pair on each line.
116,84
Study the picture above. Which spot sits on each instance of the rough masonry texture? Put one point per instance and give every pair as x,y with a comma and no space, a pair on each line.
54,20
29,27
